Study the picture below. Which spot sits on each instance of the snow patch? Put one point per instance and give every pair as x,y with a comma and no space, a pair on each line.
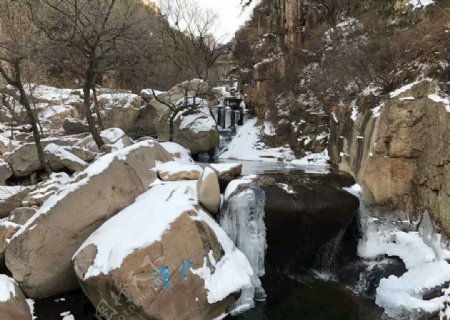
7,288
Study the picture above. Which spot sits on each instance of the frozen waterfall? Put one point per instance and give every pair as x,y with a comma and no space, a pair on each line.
243,220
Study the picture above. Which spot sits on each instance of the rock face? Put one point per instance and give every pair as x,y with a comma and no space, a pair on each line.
167,268
21,215
209,190
401,155
13,305
39,256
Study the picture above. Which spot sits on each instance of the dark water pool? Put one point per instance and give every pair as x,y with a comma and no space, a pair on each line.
310,299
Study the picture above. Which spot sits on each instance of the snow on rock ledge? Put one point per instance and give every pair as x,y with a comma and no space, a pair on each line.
164,251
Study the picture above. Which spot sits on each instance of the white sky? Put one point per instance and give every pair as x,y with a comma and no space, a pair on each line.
230,16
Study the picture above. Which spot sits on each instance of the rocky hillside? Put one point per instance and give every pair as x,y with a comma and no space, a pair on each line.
369,80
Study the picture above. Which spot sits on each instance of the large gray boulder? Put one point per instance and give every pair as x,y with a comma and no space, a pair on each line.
39,255
195,127
179,267
120,110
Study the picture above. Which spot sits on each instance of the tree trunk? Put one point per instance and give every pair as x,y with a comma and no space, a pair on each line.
97,107
33,120
88,83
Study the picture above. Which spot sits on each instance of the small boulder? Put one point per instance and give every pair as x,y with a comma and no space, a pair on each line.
209,190
13,304
5,171
174,171
75,126
21,215
11,198
227,172
61,159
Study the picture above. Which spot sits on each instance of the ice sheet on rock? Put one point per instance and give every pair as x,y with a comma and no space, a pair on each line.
232,273
7,288
242,218
234,184
180,153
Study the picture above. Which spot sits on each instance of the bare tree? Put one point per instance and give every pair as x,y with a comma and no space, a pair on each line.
19,43
187,37
94,36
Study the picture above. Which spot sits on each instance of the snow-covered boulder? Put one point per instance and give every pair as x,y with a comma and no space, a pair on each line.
13,304
174,171
39,255
120,110
24,160
209,190
5,171
11,198
61,159
179,153
195,127
163,257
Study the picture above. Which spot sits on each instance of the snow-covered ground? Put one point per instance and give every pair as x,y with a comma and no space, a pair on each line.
247,146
